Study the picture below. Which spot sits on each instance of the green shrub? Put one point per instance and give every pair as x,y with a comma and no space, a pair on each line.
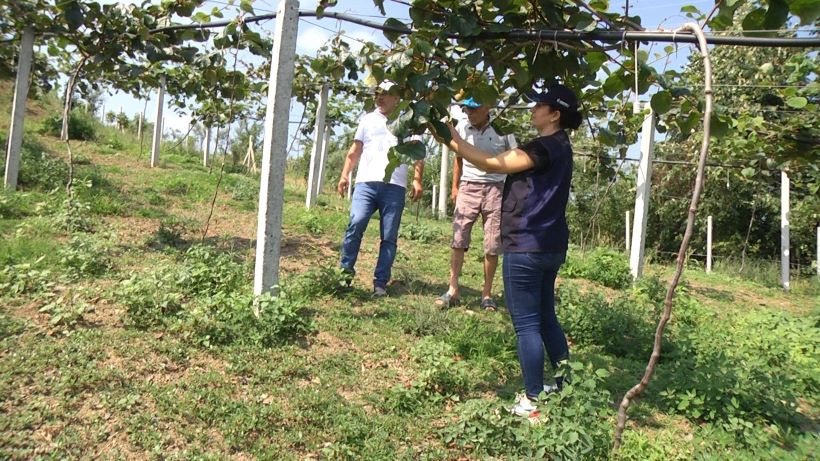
603,265
229,318
65,312
765,363
608,267
576,424
624,328
81,126
20,279
242,188
420,233
13,205
41,170
440,375
85,256
151,298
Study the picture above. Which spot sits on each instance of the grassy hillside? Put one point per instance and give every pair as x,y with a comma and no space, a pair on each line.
131,336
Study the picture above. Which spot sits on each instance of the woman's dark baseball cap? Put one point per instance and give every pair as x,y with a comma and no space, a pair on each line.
555,95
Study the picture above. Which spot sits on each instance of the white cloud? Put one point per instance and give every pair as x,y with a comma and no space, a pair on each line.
310,39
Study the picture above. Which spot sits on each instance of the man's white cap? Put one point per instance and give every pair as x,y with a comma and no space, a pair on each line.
385,85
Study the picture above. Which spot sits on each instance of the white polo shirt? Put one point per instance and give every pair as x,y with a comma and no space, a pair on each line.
376,140
487,140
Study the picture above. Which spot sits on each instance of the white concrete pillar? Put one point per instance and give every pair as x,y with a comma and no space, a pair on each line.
785,214
818,251
274,150
435,201
158,122
709,244
206,153
643,183
626,237
18,109
325,148
442,182
139,125
316,150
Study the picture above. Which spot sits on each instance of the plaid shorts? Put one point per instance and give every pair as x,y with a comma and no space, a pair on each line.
476,199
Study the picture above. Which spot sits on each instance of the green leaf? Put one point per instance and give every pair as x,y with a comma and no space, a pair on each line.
748,172
661,102
246,6
74,15
689,9
807,10
392,35
754,20
441,130
797,102
776,15
413,150
614,85
718,127
595,59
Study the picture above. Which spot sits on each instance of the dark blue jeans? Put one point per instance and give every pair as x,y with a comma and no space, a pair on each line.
529,291
367,198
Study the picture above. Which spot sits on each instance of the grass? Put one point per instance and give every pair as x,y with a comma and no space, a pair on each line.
353,377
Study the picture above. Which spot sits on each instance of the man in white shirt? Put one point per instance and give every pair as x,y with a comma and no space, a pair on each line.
476,193
371,143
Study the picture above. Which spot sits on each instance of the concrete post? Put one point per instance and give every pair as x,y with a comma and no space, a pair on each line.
626,239
316,150
785,215
325,148
274,150
442,183
158,121
435,201
643,183
206,153
708,244
18,109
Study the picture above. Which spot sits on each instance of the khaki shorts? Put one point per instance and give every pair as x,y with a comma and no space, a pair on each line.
476,199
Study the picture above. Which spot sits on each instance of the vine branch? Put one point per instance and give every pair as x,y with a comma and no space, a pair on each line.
636,390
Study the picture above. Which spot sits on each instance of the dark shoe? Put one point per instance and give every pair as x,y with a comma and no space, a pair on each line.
488,305
379,292
446,300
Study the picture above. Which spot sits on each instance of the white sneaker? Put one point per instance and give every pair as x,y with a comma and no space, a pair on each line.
524,407
550,388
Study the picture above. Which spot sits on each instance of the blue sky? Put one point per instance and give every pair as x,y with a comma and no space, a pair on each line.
313,33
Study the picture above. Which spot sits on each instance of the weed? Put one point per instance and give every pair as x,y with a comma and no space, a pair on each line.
81,126
21,279
420,233
440,375
65,311
576,425
85,255
603,265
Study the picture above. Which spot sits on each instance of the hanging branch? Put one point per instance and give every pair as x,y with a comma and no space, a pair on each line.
224,152
684,246
748,233
69,187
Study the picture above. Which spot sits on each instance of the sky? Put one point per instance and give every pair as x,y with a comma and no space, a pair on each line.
313,33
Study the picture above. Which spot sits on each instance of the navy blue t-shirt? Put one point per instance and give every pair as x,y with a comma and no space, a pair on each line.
533,208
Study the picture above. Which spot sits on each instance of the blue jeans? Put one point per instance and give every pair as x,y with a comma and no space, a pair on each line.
529,291
367,198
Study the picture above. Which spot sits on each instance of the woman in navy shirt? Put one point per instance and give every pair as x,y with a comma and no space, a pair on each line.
534,232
